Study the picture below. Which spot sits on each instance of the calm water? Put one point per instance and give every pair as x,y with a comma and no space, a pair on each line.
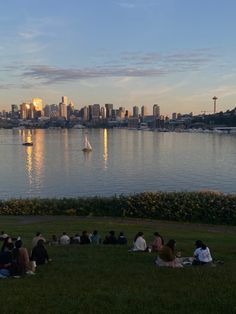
122,161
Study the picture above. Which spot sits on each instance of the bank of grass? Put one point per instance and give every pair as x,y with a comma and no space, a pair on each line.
104,279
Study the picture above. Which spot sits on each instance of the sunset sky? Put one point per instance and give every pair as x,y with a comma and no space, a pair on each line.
176,53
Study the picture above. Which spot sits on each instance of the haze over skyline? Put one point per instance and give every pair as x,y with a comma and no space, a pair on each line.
176,53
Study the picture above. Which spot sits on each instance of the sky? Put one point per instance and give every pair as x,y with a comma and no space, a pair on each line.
174,53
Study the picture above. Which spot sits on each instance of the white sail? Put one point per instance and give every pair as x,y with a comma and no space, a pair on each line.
87,145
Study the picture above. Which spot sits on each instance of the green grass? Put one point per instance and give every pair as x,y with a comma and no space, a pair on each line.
104,279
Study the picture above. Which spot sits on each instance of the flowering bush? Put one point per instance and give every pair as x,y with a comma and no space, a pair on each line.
206,206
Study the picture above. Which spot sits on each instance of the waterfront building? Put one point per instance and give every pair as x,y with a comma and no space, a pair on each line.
84,113
14,111
64,100
121,113
103,113
24,110
127,114
144,111
96,111
63,110
156,111
135,111
109,108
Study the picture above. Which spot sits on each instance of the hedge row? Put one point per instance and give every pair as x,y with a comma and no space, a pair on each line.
206,207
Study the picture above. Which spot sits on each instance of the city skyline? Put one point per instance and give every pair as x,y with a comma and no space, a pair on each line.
176,53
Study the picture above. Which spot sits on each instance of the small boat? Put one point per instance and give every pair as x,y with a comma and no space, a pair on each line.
87,146
27,143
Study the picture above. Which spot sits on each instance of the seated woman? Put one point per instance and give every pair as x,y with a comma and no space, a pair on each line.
40,254
202,254
167,256
21,264
157,243
139,243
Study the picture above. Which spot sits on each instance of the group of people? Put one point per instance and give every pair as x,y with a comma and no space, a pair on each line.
15,259
167,255
88,238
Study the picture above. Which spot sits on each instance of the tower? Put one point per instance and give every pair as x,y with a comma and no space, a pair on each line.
214,99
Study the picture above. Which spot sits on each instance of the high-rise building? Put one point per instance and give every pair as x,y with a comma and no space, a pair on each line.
85,113
64,100
63,110
96,111
144,111
109,108
135,111
24,111
38,104
14,111
156,111
103,113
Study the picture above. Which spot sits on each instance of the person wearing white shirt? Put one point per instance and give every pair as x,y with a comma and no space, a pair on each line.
139,243
64,239
202,254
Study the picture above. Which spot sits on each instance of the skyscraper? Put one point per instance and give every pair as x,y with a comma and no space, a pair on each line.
144,111
109,108
135,111
156,111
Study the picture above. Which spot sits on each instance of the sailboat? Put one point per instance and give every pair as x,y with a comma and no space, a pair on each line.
87,145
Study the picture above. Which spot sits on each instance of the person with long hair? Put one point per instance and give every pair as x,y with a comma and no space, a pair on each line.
202,254
21,263
40,254
157,243
167,256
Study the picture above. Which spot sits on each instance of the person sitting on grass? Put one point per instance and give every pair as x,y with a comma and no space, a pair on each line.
140,244
21,264
157,243
40,254
64,239
6,261
202,254
38,236
167,256
76,239
5,243
95,238
110,239
84,239
122,239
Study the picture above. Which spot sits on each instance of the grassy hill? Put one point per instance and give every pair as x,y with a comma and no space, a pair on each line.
109,279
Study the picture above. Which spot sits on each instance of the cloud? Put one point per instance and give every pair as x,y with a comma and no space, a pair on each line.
132,4
135,64
50,75
29,34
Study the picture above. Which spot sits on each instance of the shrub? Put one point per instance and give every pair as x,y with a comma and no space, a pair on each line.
206,207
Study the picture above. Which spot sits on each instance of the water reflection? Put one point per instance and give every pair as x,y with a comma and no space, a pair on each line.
26,136
105,148
87,155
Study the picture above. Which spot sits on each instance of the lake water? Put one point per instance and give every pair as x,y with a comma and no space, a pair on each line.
122,161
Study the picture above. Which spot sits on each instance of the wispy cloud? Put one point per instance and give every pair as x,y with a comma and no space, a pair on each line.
29,34
132,4
133,65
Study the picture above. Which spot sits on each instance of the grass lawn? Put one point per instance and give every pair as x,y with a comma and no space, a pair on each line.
105,279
